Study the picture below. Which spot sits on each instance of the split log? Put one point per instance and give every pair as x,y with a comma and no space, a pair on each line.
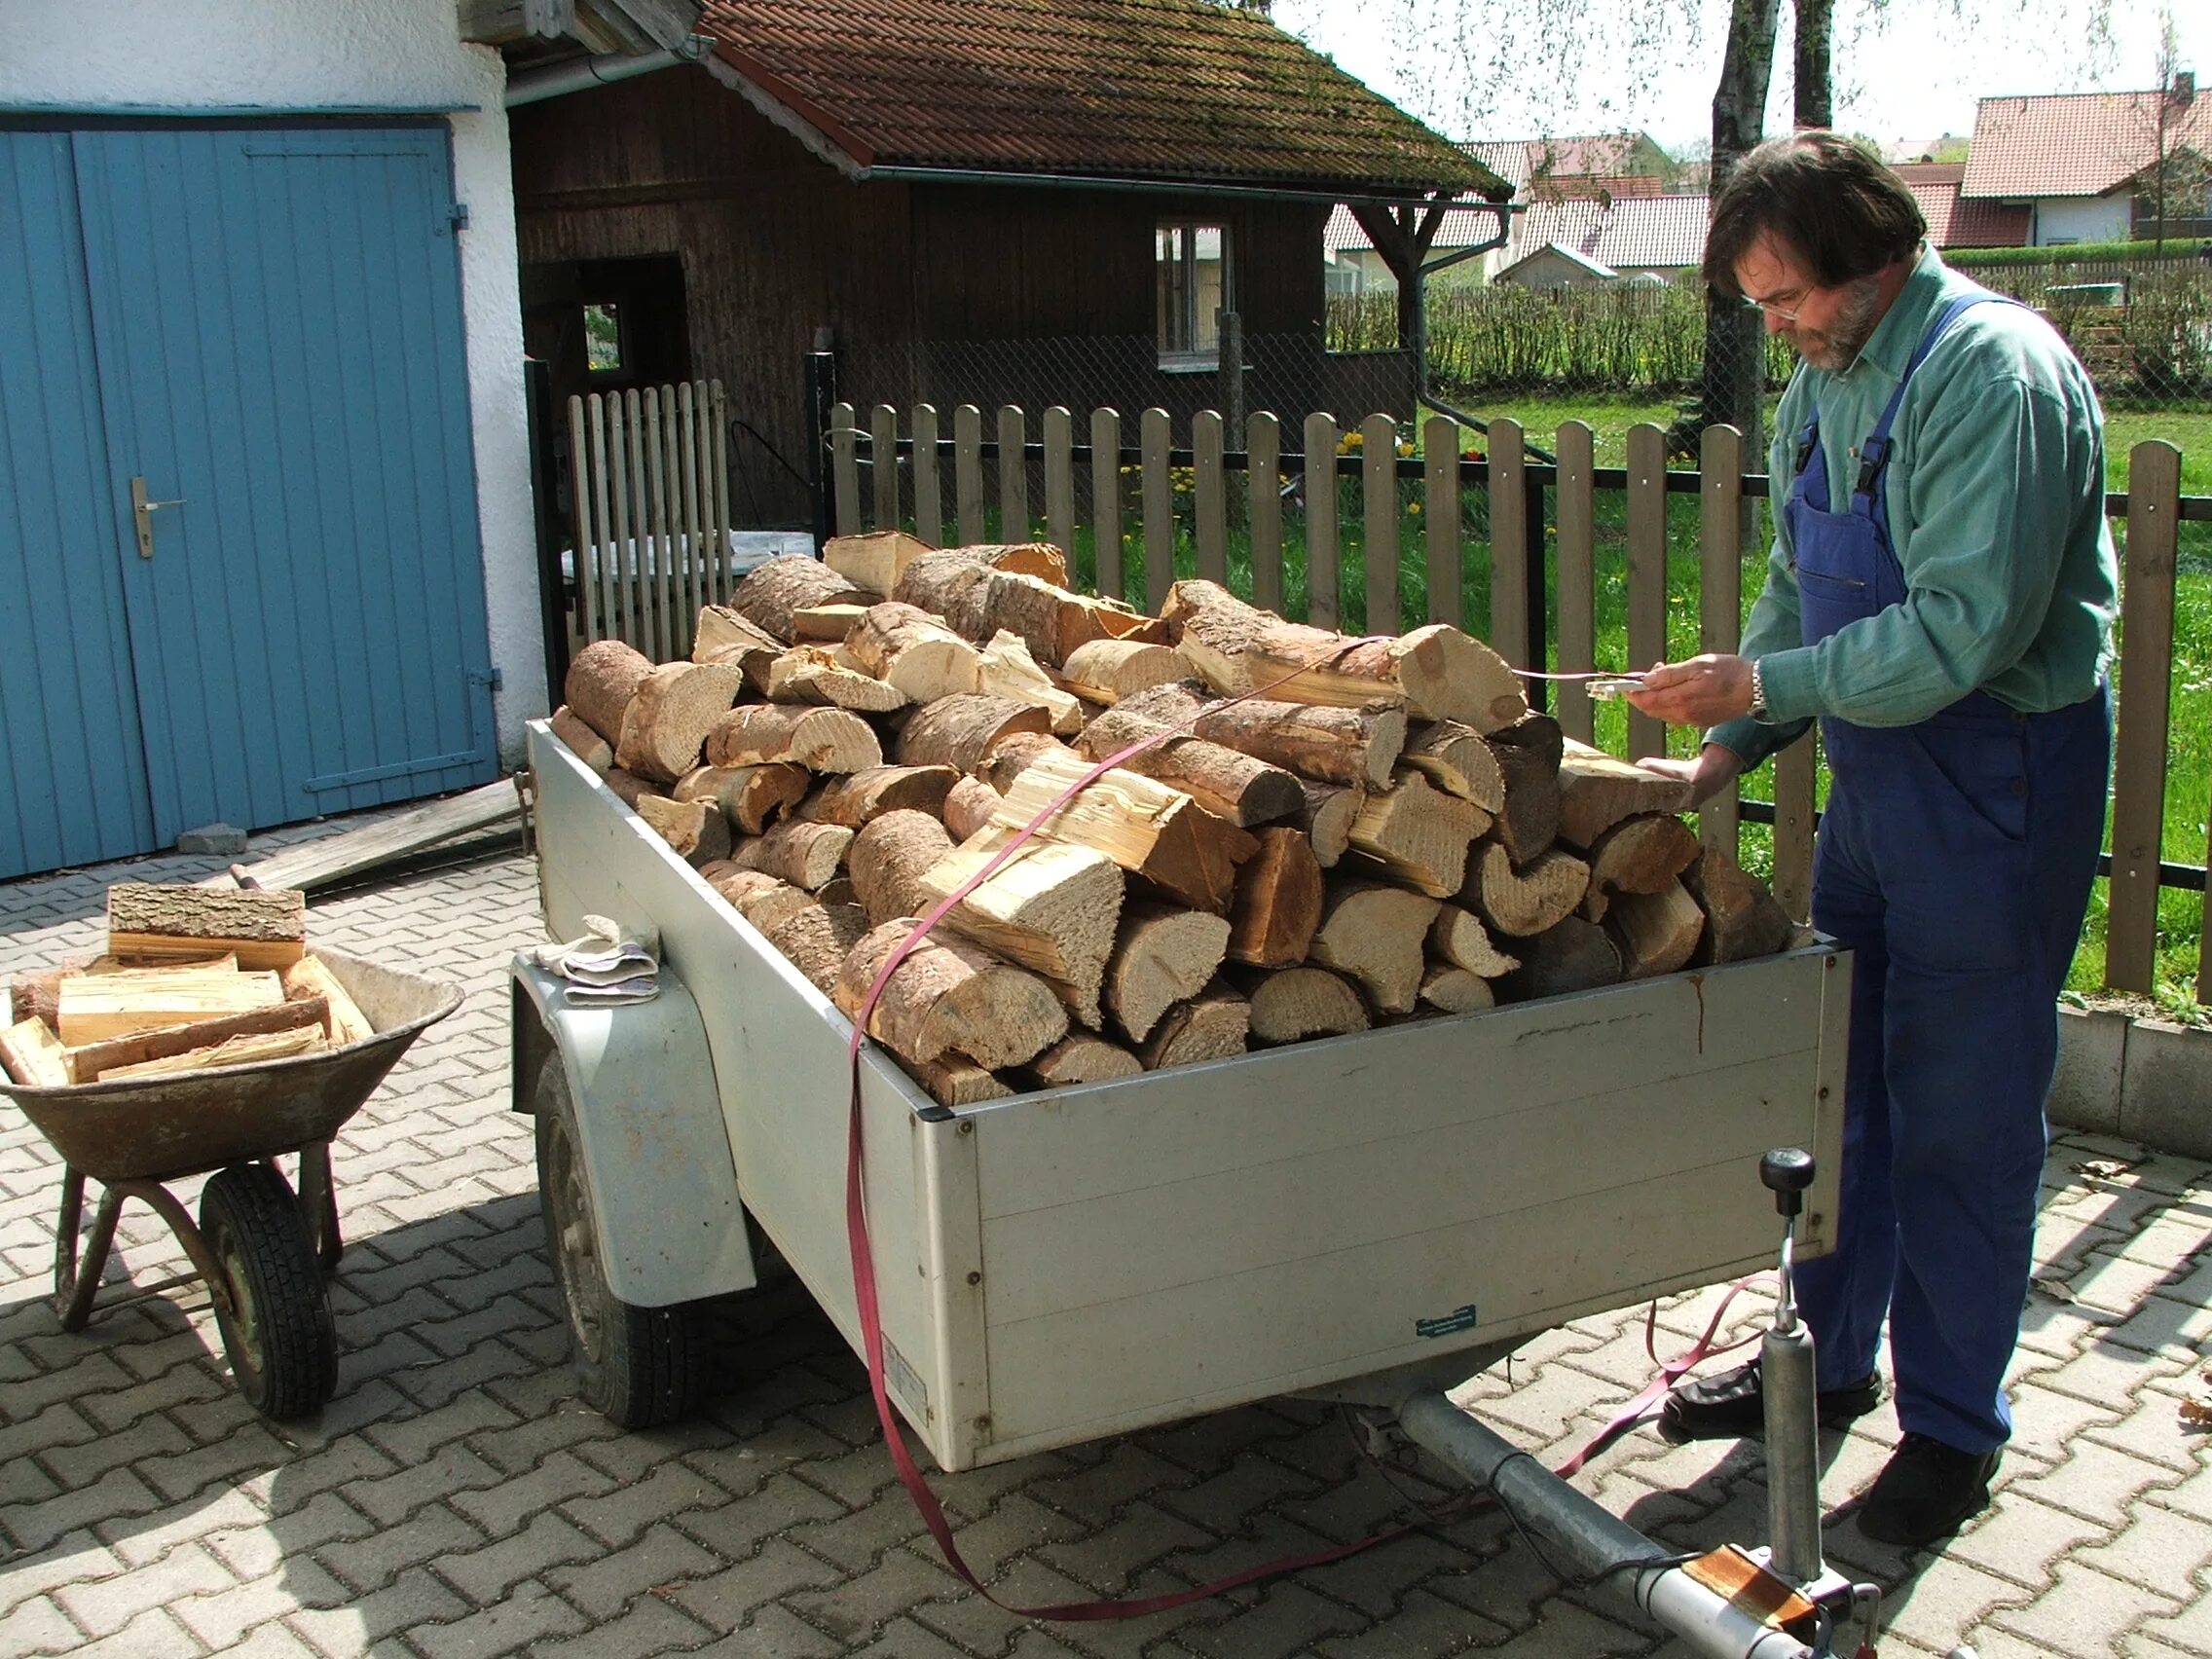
1743,918
1327,816
1439,672
751,798
1082,1057
960,732
1596,792
1375,932
1642,854
887,859
761,898
628,787
1039,559
1013,754
837,890
1569,955
1224,782
1594,904
245,1050
827,623
821,740
601,680
37,995
95,1007
1527,754
1163,955
34,1056
817,939
1454,990
812,673
954,1081
1330,744
666,725
789,582
86,1063
721,635
1278,906
585,744
1145,827
913,651
1209,1027
308,981
1292,1004
860,797
968,805
1106,670
1526,901
805,855
696,829
1008,669
150,922
1460,939
1457,759
873,561
1657,933
1052,908
951,997
949,585
1418,836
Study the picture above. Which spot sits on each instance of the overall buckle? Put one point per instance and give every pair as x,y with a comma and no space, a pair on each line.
1873,458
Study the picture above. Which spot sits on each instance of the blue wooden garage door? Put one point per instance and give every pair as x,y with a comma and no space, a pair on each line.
263,325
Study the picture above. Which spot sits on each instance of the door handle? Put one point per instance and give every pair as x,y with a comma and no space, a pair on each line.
142,513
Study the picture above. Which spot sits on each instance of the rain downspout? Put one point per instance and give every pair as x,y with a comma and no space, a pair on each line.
535,85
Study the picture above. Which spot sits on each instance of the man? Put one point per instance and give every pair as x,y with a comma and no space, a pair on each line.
1940,595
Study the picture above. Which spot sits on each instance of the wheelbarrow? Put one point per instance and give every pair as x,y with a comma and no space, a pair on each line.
260,1249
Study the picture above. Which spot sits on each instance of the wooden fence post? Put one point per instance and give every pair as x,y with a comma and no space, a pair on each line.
1379,504
845,470
1646,572
1059,480
1263,478
1721,594
1440,493
1209,516
883,455
1106,499
1014,475
2146,681
968,473
1508,539
663,454
929,478
1158,509
717,414
684,524
1320,521
1577,576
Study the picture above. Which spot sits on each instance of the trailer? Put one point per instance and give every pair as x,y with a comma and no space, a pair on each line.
1352,1218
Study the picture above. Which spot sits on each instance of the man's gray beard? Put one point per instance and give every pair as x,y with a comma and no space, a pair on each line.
1857,317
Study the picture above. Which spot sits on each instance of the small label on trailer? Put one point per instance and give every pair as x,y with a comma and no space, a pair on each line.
1458,1319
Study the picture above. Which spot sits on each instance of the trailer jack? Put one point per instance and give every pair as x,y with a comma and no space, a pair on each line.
1783,1602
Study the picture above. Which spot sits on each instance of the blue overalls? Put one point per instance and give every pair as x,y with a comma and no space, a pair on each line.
1955,861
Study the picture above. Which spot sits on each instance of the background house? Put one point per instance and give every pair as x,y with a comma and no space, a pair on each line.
1955,221
269,553
2096,167
972,201
1626,236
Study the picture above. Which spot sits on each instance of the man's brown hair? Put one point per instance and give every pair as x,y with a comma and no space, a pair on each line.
1827,197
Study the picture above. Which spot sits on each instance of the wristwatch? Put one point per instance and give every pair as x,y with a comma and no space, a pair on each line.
1757,710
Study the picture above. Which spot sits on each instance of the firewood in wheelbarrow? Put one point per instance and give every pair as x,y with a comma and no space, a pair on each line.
34,1056
265,928
89,1062
231,1052
95,1006
309,978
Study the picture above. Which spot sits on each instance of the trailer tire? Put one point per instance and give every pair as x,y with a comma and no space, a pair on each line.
278,1332
638,1367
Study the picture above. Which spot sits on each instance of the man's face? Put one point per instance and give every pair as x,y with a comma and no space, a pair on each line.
1828,327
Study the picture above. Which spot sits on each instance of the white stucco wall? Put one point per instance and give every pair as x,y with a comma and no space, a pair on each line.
236,55
2082,219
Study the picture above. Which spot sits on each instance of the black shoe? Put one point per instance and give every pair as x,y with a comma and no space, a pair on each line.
1731,1406
1927,1490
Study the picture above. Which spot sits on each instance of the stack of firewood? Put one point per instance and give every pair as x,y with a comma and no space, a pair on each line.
1341,833
193,978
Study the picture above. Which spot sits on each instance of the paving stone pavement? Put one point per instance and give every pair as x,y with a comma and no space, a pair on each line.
456,1502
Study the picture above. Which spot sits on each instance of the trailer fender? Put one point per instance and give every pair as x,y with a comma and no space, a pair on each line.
664,1191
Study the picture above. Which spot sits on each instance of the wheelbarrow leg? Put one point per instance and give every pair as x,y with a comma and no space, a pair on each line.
318,1204
76,1281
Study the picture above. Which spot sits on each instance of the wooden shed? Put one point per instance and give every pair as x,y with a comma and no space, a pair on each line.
1034,201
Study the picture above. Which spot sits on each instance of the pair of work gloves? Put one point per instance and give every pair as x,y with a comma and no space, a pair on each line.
608,967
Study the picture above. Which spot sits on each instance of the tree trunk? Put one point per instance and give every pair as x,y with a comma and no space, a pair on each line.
1735,348
1816,34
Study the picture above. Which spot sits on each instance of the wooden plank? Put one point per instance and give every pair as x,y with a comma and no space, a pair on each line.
1263,478
1106,499
968,474
719,528
698,513
1320,522
1158,509
929,480
1378,502
582,566
1646,572
844,466
1014,475
2146,683
664,467
1793,770
1577,576
629,553
602,538
318,863
883,450
1440,502
1721,595
1208,508
1508,547
1059,480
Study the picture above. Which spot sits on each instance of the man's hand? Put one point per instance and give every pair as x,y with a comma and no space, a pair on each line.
1703,692
1713,770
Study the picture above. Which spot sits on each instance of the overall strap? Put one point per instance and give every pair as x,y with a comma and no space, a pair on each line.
1874,453
1808,440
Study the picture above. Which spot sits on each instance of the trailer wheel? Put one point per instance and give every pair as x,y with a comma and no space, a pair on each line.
276,1332
638,1366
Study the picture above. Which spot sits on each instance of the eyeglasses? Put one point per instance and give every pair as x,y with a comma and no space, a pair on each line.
1774,309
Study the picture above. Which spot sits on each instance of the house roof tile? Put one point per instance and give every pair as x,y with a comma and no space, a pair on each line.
1152,89
1632,233
1955,221
2075,143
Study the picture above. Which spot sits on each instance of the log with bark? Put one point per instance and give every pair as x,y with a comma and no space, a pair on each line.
721,635
1656,933
888,859
873,561
753,798
1525,900
1457,760
585,744
827,624
1040,559
949,998
601,680
1148,828
821,740
818,937
1569,955
1743,918
665,727
1081,1056
1053,909
1528,754
1011,755
156,922
1008,669
1330,744
1454,990
955,1081
1326,817
961,732
308,981
1224,782
697,828
1278,906
914,652
1106,670
1161,955
805,855
1642,854
759,897
813,674
1211,1026
774,589
1596,790
950,586
1374,933
1289,1005
1416,835
859,797
627,787
968,805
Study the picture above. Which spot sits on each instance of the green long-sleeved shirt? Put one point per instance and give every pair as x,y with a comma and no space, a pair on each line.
1996,510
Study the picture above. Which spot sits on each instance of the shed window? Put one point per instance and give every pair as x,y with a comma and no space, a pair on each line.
1191,289
602,339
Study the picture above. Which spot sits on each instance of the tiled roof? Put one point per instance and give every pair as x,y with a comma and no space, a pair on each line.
1596,156
1955,222
1595,267
1654,232
2075,143
1167,89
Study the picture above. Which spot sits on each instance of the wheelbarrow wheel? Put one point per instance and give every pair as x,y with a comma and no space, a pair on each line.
638,1367
277,1330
